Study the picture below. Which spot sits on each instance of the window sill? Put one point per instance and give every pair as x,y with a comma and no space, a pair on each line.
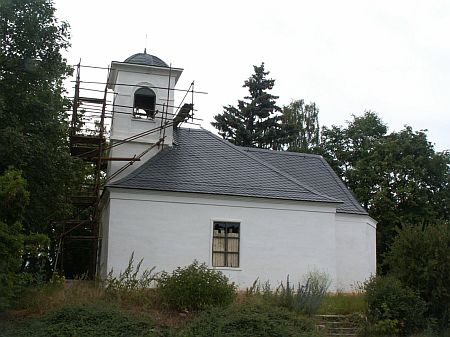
226,268
143,120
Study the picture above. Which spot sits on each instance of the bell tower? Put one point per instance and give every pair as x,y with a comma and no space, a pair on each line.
143,103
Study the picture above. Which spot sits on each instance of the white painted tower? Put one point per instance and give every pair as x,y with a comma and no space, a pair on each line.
143,94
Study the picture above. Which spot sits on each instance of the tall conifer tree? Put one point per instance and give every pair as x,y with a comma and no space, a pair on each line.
254,122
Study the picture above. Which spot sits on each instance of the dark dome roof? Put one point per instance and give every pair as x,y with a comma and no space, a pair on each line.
146,60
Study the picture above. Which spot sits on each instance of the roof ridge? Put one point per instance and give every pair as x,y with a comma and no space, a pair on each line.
286,153
341,184
283,174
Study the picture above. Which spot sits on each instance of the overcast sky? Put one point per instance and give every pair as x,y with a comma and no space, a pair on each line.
392,57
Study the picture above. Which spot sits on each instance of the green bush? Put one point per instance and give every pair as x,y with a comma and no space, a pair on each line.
249,320
420,258
195,287
393,307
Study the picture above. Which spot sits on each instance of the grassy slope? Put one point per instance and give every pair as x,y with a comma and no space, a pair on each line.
97,319
82,309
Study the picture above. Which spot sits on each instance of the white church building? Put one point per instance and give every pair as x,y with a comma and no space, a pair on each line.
250,213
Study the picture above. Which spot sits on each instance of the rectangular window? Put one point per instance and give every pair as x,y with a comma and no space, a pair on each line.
225,247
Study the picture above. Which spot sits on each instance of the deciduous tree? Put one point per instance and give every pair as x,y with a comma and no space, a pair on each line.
33,130
300,125
14,244
398,177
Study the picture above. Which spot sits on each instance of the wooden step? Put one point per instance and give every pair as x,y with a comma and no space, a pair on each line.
337,325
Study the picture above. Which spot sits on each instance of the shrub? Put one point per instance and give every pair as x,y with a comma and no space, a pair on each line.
393,307
195,287
249,320
420,258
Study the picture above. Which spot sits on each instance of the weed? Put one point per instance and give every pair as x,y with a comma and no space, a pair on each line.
306,298
132,287
131,279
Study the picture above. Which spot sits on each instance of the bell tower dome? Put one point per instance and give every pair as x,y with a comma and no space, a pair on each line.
143,102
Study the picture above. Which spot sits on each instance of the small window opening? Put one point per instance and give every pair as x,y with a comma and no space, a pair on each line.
225,250
144,103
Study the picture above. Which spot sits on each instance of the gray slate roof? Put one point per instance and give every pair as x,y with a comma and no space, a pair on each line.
146,60
312,170
201,162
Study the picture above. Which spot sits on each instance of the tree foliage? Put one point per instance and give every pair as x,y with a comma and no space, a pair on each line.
300,125
349,150
254,122
32,119
13,243
398,177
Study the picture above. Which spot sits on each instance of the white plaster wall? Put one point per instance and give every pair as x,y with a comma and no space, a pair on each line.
172,229
355,249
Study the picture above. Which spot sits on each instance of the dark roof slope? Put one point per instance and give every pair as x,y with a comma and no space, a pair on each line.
146,60
311,170
204,163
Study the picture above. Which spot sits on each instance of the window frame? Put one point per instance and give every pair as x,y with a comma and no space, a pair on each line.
226,237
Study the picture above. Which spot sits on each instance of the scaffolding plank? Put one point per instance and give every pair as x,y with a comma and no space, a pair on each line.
118,158
84,151
91,100
83,199
85,139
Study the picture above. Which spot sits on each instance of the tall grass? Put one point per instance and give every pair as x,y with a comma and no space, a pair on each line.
342,304
305,298
39,300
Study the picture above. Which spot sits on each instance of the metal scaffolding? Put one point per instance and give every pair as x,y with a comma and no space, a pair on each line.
80,240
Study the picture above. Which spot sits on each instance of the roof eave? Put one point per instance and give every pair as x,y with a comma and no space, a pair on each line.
225,194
